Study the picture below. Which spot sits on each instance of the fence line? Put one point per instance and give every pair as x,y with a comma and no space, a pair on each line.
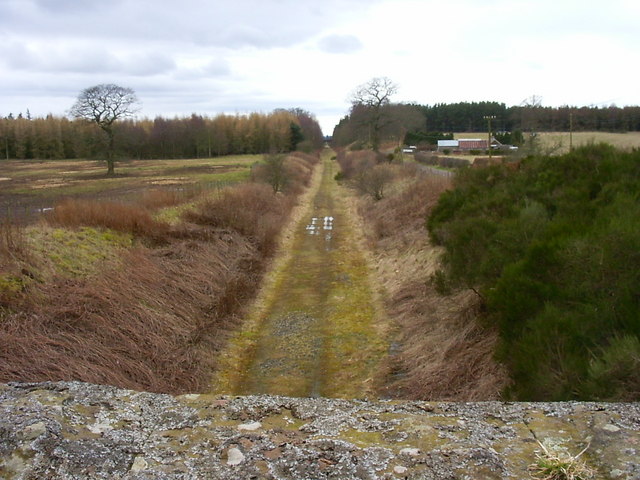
436,171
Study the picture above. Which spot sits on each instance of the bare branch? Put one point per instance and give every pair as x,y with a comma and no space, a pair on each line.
104,104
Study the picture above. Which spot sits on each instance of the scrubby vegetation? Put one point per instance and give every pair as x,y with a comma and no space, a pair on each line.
439,350
367,171
552,249
106,293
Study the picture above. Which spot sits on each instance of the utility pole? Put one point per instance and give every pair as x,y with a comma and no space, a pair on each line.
488,118
571,132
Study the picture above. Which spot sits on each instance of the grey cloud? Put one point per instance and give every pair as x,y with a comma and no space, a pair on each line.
222,23
74,6
216,67
87,59
340,44
146,64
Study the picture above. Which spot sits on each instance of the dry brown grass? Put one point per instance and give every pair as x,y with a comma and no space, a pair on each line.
404,213
447,355
299,170
153,318
252,209
162,198
559,141
149,322
132,219
444,352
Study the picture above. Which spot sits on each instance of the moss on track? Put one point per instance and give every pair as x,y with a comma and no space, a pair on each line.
317,331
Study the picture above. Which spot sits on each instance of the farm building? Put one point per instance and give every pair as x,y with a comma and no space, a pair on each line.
447,144
462,144
472,144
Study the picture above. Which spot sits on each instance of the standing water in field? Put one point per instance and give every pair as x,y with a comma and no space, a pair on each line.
317,333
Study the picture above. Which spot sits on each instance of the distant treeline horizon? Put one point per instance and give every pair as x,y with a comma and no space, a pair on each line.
419,121
195,136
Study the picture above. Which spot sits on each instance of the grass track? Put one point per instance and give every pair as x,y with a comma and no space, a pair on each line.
316,332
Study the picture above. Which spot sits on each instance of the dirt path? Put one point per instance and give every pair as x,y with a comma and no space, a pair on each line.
315,330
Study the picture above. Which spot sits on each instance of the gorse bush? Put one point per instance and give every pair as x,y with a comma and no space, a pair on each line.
554,249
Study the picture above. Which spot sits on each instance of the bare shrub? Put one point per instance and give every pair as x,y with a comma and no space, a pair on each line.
353,162
406,211
373,181
12,242
14,256
116,216
287,174
426,158
250,209
272,171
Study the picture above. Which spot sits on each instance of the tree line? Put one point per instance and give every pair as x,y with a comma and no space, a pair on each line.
415,123
530,116
58,137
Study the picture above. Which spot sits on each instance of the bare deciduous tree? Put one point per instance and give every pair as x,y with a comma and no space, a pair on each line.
104,104
374,96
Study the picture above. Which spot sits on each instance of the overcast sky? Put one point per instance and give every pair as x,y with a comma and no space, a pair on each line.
238,56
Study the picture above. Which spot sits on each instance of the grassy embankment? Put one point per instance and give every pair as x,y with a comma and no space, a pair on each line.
439,349
540,269
109,292
315,329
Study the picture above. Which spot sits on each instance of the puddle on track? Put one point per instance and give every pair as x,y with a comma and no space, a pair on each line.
317,338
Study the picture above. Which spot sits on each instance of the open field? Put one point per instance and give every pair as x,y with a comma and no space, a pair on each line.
558,142
561,139
28,187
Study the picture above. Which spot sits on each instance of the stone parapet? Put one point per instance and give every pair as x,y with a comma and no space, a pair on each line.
72,430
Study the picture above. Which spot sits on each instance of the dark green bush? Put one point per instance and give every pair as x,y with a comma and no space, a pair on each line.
554,248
